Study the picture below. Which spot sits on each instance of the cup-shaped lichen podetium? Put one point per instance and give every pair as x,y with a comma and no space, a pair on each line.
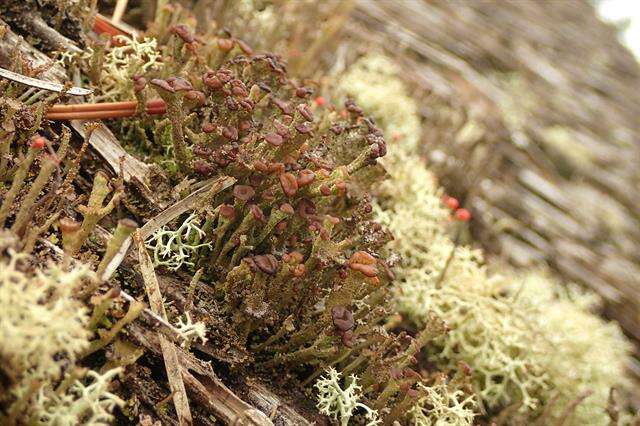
171,90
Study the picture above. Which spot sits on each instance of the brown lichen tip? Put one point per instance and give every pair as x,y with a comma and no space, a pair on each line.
336,129
227,211
348,338
225,44
139,83
230,133
305,177
282,130
342,318
304,128
352,107
184,32
257,213
179,84
68,225
363,262
273,139
295,257
162,84
210,79
208,128
172,84
266,263
287,208
305,112
243,192
196,97
289,184
283,106
303,92
246,49
128,223
299,271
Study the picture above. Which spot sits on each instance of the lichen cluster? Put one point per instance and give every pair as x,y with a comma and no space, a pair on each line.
530,344
44,331
323,256
291,252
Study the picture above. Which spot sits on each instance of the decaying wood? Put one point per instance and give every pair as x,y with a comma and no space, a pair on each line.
215,396
106,144
266,401
38,27
206,389
172,364
11,42
203,385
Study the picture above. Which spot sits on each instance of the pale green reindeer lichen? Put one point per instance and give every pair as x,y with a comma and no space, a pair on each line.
341,404
443,407
527,339
43,332
118,63
86,404
173,249
191,331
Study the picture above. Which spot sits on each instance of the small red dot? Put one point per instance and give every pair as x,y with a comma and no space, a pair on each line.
451,202
38,142
320,101
463,215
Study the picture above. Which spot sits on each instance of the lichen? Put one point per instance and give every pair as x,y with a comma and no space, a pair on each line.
87,404
340,404
43,331
175,248
442,406
191,331
528,341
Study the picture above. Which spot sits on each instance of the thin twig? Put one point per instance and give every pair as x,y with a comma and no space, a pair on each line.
171,362
118,12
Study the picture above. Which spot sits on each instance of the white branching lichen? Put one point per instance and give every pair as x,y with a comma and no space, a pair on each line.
127,57
131,57
40,322
341,404
191,331
43,330
173,249
442,406
527,339
87,404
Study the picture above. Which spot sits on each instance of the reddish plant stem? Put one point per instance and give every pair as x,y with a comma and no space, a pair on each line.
106,106
92,115
102,25
103,110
